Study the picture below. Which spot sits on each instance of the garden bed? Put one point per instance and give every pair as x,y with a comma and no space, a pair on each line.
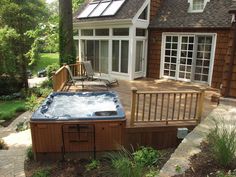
203,164
84,167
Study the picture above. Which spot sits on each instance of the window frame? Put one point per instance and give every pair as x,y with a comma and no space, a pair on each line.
191,10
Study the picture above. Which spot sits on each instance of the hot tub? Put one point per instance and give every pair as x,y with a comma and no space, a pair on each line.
77,122
67,106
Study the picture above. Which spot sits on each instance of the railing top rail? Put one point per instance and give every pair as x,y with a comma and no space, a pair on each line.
60,70
168,92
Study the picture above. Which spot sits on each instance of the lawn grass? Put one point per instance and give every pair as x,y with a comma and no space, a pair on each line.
8,109
45,60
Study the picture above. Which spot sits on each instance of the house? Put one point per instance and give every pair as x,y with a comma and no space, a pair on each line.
186,40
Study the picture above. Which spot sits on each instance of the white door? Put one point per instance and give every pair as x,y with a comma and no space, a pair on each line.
139,58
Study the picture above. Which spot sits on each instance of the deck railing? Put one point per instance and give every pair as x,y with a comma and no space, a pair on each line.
166,106
61,77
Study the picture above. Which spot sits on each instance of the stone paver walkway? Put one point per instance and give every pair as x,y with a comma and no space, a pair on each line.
12,160
191,144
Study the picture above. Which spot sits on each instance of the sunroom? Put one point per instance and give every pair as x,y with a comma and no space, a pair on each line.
112,34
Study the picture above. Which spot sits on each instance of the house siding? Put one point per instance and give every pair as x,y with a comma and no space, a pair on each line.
154,52
229,71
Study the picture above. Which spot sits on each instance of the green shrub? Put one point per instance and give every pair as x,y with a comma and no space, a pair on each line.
146,156
153,172
32,103
94,164
47,84
123,165
42,173
29,153
226,174
22,126
40,92
52,68
222,142
9,85
20,109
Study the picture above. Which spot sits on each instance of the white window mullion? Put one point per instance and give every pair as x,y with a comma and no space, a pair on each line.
119,55
178,57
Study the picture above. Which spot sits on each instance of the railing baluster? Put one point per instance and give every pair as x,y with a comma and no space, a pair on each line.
196,105
168,105
162,102
185,103
150,106
190,107
156,103
180,98
173,109
137,108
144,100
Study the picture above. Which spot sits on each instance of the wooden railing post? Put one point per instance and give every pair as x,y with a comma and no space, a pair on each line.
133,103
200,106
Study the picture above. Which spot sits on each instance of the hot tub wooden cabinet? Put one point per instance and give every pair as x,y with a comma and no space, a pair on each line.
77,122
52,139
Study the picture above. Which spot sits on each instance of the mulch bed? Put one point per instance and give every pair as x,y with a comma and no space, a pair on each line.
204,165
74,168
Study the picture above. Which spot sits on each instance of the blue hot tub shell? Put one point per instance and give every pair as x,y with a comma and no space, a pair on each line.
41,113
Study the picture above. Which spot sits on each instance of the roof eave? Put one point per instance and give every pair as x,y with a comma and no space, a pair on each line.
103,22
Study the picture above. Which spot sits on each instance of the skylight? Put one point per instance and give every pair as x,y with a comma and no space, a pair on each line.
99,8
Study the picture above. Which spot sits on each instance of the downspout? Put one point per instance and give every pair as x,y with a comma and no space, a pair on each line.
231,62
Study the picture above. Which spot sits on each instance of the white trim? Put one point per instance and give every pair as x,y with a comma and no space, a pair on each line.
212,57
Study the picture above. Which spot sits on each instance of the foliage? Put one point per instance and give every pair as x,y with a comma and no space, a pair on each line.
42,173
9,85
8,62
146,156
123,165
76,4
47,84
22,126
22,16
51,69
7,115
40,91
3,145
152,172
29,153
222,142
227,174
178,169
94,164
32,102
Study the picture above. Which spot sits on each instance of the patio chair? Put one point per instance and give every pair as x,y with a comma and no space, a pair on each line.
81,80
91,75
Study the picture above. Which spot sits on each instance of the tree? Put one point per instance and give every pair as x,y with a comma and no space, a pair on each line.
66,43
22,16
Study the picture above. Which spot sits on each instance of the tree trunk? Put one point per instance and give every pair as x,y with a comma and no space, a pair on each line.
66,43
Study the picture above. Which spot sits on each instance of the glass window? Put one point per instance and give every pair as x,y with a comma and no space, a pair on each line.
124,56
140,32
198,4
87,32
120,56
143,15
121,31
76,42
102,32
115,55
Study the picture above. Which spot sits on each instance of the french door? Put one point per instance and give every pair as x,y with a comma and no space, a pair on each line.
139,58
187,57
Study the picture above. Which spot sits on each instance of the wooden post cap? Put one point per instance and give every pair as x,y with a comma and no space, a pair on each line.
134,89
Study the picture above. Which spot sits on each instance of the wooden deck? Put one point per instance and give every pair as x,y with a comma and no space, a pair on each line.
147,84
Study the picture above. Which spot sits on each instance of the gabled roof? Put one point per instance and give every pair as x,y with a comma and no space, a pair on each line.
174,14
127,11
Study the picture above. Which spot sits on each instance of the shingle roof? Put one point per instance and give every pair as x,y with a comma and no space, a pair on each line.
127,11
174,14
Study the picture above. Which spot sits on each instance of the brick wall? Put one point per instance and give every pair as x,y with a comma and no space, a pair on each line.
155,4
154,52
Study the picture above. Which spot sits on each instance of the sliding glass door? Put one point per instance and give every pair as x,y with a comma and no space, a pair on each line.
96,51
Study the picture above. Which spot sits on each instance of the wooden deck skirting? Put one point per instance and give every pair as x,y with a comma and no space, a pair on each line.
166,106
